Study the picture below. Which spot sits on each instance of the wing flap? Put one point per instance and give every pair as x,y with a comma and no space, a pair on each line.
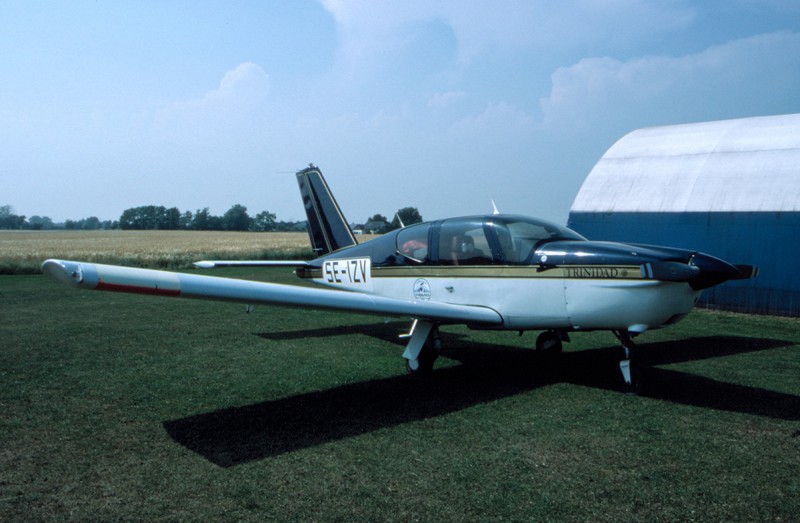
147,281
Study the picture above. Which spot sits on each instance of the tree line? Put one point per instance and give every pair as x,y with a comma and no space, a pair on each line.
152,217
379,224
235,219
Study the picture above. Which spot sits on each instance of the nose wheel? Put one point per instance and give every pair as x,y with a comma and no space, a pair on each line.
628,364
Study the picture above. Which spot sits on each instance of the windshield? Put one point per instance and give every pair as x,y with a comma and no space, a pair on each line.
519,237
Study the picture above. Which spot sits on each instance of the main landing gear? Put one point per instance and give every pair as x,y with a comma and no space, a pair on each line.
551,341
423,347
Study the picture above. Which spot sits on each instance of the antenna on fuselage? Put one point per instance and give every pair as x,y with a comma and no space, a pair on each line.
399,219
494,207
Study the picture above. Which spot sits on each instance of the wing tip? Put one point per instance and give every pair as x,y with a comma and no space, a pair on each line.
70,273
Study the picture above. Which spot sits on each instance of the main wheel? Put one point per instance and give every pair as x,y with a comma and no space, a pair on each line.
549,341
424,362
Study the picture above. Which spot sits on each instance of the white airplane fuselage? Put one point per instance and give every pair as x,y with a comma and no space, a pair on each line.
526,298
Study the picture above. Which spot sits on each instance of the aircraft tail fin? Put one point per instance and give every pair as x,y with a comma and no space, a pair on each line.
327,228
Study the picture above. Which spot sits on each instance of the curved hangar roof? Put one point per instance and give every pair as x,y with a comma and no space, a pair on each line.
750,164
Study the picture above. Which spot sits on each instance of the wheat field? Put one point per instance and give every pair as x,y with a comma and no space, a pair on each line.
24,251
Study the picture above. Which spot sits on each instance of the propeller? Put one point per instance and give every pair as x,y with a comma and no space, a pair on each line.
702,271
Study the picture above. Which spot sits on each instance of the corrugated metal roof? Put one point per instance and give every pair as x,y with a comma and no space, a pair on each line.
749,164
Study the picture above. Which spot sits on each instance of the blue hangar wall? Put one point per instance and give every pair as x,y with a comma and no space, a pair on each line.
729,188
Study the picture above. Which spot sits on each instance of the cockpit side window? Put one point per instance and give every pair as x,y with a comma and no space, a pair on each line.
463,242
412,243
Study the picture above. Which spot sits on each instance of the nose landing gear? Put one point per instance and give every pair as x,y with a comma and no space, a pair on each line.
628,364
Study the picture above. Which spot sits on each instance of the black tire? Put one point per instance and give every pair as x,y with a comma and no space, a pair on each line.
424,362
549,341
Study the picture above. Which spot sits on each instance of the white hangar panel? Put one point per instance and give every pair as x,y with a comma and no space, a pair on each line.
745,165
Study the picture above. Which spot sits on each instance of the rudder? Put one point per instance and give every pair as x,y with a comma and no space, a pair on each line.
327,228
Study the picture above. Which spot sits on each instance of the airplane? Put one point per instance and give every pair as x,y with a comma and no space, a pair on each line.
493,272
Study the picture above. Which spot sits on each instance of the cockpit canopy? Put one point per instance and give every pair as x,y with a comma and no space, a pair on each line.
479,240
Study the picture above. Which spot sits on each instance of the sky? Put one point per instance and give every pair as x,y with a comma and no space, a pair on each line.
444,106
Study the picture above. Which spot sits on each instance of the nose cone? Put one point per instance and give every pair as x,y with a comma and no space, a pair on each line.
713,271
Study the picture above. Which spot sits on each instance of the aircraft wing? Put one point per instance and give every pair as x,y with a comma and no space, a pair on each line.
162,283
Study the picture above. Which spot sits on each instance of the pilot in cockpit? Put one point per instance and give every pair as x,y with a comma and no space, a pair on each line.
463,249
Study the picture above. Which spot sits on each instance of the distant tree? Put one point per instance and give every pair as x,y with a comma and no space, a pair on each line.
236,219
215,223
378,224
156,217
283,226
127,219
145,217
200,221
89,224
185,221
41,223
9,220
172,219
264,221
407,215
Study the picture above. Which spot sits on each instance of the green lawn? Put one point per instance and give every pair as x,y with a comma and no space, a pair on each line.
119,407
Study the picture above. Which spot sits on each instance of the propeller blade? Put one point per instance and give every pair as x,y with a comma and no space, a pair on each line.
746,272
713,271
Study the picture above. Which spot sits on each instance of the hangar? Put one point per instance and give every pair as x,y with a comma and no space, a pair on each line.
728,188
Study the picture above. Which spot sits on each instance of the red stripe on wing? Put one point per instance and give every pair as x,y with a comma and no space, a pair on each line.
153,291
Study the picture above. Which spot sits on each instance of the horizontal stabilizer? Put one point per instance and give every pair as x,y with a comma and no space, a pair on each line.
212,264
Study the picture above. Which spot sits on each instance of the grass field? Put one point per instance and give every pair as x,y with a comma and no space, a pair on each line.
121,407
24,251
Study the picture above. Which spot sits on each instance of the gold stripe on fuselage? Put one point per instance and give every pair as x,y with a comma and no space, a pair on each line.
577,272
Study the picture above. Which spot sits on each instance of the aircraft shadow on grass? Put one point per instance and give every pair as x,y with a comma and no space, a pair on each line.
387,331
488,372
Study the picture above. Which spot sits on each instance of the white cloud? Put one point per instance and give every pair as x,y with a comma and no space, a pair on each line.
498,120
443,100
241,90
483,27
247,84
758,75
368,27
